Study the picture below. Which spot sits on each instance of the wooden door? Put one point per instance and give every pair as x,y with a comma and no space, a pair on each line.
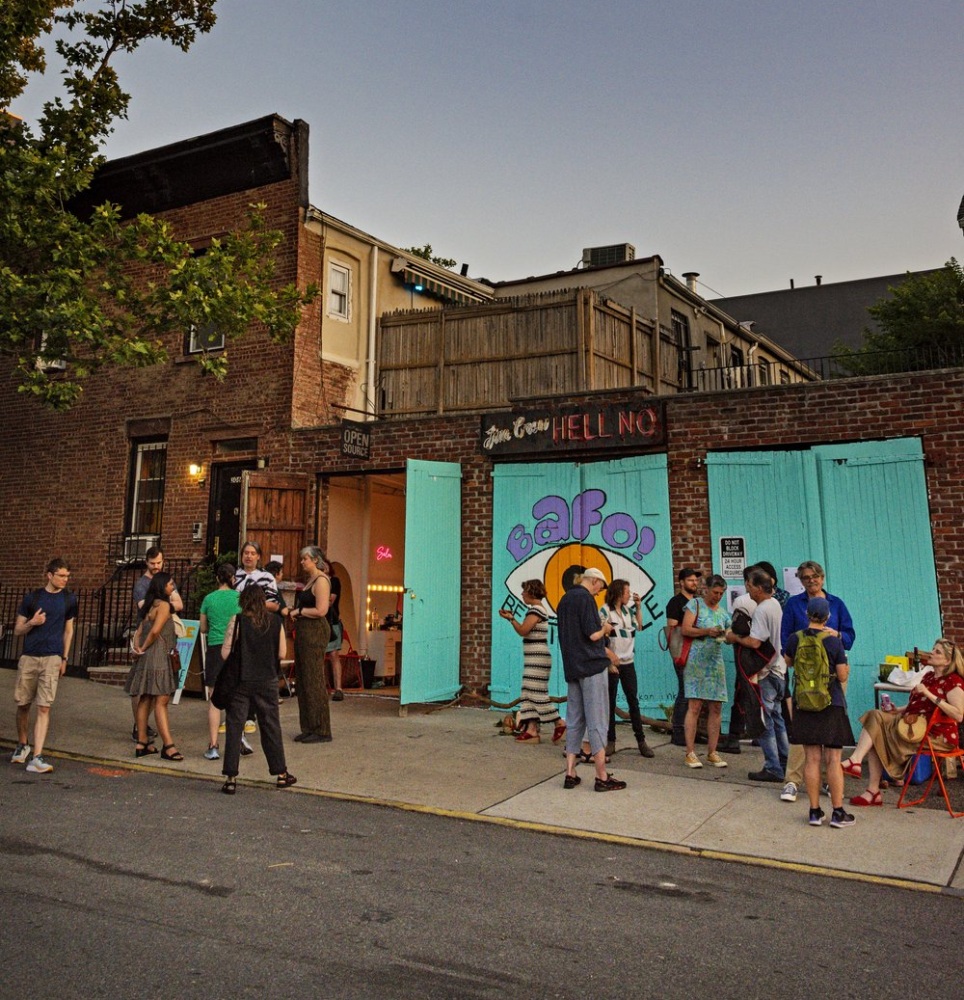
274,513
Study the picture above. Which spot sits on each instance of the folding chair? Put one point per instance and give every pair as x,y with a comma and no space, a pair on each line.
937,757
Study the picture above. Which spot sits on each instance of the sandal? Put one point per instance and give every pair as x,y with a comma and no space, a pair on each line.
558,732
286,780
177,755
583,757
144,749
851,768
868,798
230,786
528,737
609,784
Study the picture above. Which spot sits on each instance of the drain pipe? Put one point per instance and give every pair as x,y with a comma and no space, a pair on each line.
372,331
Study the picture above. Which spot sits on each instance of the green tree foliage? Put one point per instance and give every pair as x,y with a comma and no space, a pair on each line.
425,252
921,325
98,290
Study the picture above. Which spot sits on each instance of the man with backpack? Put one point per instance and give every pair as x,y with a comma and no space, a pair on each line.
819,708
838,623
45,619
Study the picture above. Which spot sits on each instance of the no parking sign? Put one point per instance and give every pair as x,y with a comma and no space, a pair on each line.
732,557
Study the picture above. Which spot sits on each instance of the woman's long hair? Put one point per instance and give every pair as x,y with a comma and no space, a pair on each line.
614,594
953,654
155,592
253,607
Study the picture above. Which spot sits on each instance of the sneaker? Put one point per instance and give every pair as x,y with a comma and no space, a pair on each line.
249,726
222,728
21,755
212,753
691,760
245,747
825,789
39,766
838,818
789,793
816,816
715,760
338,695
609,784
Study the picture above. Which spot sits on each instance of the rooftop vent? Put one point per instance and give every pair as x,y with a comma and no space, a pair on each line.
616,253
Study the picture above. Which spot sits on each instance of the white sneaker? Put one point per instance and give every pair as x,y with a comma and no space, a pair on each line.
245,747
789,793
39,766
691,760
21,755
249,726
715,760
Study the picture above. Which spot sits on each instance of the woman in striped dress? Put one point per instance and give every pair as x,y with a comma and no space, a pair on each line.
535,706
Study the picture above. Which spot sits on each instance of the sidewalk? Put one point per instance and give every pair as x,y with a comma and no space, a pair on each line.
454,760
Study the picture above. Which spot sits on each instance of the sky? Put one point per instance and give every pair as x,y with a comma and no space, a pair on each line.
752,141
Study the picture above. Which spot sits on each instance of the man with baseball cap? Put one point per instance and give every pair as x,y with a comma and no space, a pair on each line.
582,640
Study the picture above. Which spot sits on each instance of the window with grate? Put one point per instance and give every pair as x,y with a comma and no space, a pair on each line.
148,470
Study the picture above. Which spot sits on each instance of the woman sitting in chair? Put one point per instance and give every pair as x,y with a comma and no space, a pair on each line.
889,740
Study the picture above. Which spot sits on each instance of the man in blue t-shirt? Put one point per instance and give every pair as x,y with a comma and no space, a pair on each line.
45,619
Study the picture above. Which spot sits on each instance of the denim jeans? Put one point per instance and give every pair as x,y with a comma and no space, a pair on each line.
774,742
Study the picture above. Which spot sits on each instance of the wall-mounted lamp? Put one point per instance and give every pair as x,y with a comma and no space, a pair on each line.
263,463
196,471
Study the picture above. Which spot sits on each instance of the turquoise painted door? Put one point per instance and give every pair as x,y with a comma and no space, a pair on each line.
433,578
548,517
880,554
860,510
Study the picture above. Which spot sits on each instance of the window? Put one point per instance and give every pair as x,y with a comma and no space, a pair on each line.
339,291
764,371
681,328
48,364
148,466
204,338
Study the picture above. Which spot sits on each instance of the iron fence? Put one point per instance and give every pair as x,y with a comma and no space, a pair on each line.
106,616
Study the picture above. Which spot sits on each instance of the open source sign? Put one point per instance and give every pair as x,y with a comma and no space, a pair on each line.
356,439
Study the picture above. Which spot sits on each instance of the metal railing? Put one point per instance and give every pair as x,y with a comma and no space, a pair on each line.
106,616
845,364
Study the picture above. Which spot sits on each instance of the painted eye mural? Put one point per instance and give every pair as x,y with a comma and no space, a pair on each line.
559,567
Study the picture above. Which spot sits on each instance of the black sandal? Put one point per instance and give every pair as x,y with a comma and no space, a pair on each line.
230,786
286,780
177,755
144,749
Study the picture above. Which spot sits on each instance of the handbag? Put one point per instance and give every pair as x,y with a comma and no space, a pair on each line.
681,643
174,658
911,728
230,676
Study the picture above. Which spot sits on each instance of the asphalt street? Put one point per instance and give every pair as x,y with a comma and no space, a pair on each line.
121,883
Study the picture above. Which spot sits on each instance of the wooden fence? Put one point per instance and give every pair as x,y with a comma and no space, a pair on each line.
469,358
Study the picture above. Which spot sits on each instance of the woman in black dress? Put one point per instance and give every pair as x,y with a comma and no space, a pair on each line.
312,633
260,638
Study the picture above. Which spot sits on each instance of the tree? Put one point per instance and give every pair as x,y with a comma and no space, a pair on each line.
920,325
425,252
96,290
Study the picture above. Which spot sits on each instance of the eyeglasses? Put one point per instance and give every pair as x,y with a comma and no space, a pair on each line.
809,579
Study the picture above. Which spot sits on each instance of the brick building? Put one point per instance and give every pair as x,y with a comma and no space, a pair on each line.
434,520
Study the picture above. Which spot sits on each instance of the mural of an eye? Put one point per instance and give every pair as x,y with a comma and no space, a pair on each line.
555,566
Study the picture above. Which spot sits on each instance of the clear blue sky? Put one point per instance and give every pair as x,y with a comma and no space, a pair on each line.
752,141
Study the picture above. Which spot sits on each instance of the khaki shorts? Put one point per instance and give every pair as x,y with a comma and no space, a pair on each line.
37,678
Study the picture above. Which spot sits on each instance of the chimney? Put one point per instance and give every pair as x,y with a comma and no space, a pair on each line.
818,278
691,277
791,285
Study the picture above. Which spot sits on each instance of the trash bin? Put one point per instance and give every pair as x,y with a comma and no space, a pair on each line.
367,672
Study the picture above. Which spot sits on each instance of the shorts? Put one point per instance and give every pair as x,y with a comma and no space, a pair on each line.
213,662
337,634
37,678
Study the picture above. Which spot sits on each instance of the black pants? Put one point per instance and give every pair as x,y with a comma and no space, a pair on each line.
263,697
626,677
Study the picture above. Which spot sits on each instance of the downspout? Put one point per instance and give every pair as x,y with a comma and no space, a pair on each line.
657,339
372,331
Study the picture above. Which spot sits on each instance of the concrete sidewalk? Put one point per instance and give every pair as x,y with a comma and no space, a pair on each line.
455,761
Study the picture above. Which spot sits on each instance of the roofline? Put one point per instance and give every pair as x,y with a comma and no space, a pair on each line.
900,276
635,262
482,288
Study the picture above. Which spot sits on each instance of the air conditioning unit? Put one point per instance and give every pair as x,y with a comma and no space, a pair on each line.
615,253
136,546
